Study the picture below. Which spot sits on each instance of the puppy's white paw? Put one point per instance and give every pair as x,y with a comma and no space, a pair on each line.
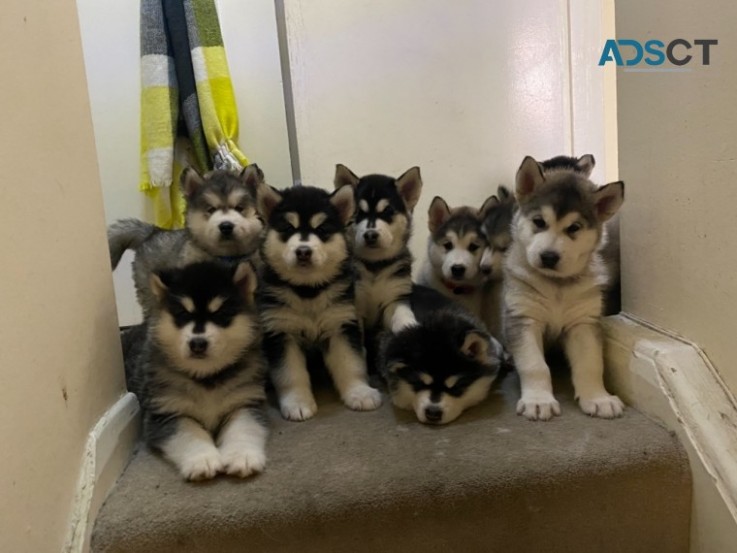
605,406
402,321
297,407
201,466
538,406
244,463
362,397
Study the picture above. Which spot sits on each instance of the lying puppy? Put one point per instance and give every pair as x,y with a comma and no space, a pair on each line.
222,224
553,278
199,374
306,297
443,366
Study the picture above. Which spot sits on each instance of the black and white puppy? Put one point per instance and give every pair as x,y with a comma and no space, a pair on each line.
444,365
381,232
199,374
307,297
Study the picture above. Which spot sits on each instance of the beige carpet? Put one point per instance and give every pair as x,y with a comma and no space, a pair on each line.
380,481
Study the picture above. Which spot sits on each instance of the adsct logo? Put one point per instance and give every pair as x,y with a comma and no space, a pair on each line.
679,52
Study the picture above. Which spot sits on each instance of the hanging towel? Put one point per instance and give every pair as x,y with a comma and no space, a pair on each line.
188,110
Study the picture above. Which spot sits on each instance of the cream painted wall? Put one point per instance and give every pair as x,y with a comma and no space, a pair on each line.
678,156
464,90
59,348
112,66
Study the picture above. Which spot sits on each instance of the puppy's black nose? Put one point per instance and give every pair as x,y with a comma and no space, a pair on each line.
304,253
433,413
198,346
458,271
371,237
226,228
549,259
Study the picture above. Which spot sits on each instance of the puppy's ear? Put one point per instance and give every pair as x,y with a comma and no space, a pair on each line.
585,164
344,176
252,176
267,198
475,346
344,201
244,277
409,186
438,213
158,283
529,177
190,182
504,194
490,203
608,199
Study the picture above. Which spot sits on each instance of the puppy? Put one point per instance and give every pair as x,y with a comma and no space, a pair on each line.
222,224
553,278
199,374
443,366
454,249
381,231
307,297
496,222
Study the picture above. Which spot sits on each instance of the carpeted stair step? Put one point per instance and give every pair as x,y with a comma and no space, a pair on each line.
382,482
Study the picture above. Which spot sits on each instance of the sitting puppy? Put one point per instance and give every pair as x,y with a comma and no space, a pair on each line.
443,366
306,297
496,221
553,277
381,231
222,224
199,374
454,249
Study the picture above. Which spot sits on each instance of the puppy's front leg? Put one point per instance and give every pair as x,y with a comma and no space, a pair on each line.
526,344
290,377
242,443
344,359
584,347
190,447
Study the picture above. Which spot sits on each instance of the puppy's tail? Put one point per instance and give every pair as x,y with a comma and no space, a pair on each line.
126,234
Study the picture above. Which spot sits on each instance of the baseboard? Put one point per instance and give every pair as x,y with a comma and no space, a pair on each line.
107,451
671,380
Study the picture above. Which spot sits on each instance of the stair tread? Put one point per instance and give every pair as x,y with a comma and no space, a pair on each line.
342,480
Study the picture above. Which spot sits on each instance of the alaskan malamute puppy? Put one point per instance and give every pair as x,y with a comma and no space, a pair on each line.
553,277
222,223
454,249
496,222
381,231
306,297
200,373
444,365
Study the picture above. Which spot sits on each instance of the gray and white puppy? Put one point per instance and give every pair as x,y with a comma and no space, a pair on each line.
553,278
221,224
306,297
381,231
454,249
199,374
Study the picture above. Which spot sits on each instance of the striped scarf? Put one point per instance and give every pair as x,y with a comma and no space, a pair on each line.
188,109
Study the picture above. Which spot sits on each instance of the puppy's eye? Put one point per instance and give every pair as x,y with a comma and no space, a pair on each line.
473,248
240,208
388,211
502,249
448,246
211,210
539,223
574,228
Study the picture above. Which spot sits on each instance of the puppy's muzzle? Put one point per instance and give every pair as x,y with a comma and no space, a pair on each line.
433,414
198,347
226,229
457,271
371,237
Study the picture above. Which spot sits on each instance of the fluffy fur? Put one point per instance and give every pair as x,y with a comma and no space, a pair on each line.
553,278
443,366
454,250
199,373
222,223
380,234
306,297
